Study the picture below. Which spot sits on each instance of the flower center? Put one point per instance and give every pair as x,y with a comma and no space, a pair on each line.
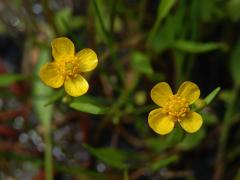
69,68
176,107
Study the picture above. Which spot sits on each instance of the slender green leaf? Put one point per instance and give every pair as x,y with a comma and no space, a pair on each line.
65,21
198,47
110,156
212,95
88,107
141,63
162,38
8,79
62,19
164,162
101,23
164,8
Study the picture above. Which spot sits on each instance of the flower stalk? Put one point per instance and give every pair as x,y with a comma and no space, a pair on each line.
48,162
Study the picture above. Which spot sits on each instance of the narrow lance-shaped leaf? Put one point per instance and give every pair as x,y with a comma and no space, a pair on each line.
212,95
199,47
110,156
8,79
90,104
87,107
163,9
163,162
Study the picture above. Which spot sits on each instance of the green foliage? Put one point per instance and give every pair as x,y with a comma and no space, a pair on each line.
233,9
44,113
164,8
192,140
141,63
212,95
89,104
161,163
235,64
163,38
138,44
66,22
56,95
41,92
209,118
161,144
8,79
87,107
111,156
197,47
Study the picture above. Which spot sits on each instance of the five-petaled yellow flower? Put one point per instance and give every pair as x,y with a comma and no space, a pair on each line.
68,67
174,108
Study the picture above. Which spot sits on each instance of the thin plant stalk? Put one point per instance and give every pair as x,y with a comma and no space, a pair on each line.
48,161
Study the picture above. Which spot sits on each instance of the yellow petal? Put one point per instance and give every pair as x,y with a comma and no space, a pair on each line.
190,91
50,75
76,86
87,60
62,48
161,123
161,93
192,122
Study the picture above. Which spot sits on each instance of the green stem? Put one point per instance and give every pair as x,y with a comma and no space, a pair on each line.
125,174
109,40
116,108
237,177
178,66
48,161
104,29
227,122
113,15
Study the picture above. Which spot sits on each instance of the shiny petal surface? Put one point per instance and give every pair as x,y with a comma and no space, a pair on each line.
51,76
62,49
161,93
192,122
76,86
160,122
190,91
87,60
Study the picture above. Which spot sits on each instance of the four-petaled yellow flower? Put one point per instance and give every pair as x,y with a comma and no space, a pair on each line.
174,108
68,67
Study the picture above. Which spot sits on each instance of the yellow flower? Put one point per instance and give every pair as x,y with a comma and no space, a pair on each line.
67,68
174,108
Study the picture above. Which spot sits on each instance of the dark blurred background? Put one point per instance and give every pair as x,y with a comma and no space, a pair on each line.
139,43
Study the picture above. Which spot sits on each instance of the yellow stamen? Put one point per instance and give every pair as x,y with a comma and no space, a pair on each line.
177,107
69,68
72,68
